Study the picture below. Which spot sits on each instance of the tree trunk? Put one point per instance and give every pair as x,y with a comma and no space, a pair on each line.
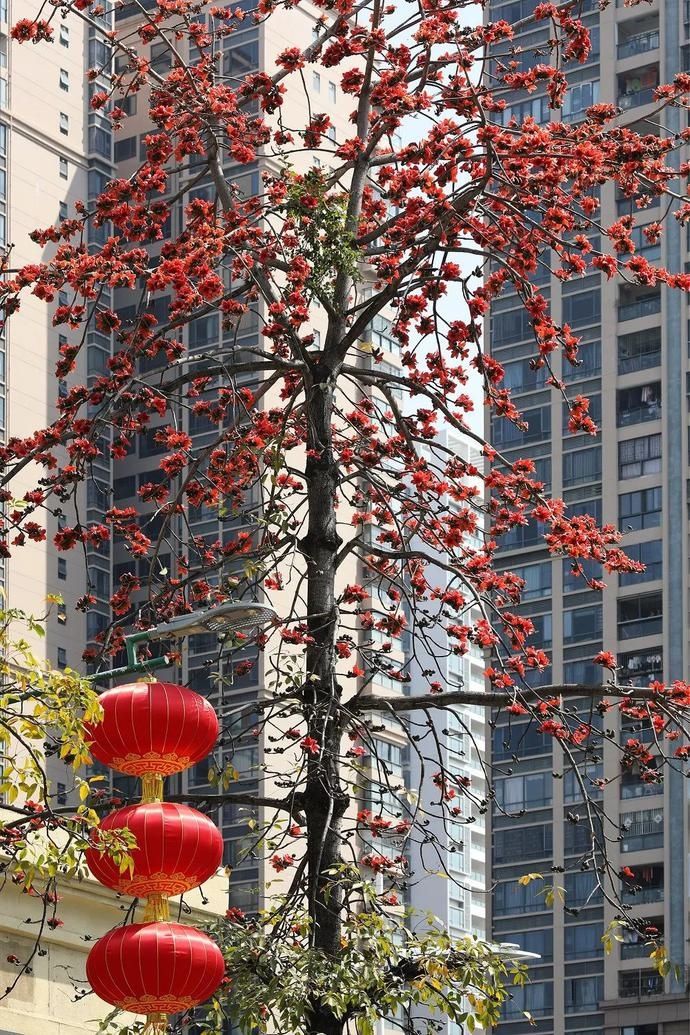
325,797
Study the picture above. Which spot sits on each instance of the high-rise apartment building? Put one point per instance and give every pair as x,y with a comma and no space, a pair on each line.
634,368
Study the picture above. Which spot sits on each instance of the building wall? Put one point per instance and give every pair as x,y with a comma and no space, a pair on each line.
634,366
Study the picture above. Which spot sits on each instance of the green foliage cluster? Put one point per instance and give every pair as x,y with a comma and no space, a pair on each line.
323,241
390,964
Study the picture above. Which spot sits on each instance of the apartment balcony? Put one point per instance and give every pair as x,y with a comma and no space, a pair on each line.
637,87
646,887
639,984
635,305
638,404
640,44
637,946
640,350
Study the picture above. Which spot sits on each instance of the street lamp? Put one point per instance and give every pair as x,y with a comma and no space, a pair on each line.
223,619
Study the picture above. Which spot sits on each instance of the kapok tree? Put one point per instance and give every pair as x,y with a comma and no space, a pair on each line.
363,520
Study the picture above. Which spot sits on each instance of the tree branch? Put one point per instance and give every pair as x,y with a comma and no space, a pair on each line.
378,702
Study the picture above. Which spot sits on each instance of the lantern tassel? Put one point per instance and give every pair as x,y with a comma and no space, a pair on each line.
157,909
151,788
156,1024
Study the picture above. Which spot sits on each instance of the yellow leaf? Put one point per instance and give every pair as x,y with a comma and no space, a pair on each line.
527,878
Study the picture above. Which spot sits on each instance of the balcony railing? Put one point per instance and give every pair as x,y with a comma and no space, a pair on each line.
640,44
647,306
641,360
639,414
643,896
636,98
636,950
635,984
629,630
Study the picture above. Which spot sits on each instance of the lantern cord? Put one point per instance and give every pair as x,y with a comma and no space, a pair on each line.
156,1024
151,788
157,909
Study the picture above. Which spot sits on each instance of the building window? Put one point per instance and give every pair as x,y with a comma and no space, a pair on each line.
641,509
330,133
579,97
316,82
535,999
651,555
128,104
64,168
640,616
62,614
161,58
641,667
520,376
577,573
511,898
523,739
583,308
539,942
243,58
638,404
62,568
64,35
582,672
642,830
62,213
203,332
582,623
639,456
125,149
61,793
507,434
631,786
61,658
578,783
64,79
582,889
64,123
582,994
536,578
516,793
124,488
583,940
582,465
535,842
331,92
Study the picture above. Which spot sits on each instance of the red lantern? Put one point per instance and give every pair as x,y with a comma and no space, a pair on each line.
156,968
177,849
153,728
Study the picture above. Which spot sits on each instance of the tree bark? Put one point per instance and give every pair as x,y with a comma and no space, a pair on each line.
325,798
